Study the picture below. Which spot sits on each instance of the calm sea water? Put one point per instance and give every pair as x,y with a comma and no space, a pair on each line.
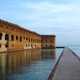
28,65
76,49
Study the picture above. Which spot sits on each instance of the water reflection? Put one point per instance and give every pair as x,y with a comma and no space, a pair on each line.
2,66
13,61
48,53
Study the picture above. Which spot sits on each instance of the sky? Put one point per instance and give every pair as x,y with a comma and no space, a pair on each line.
59,17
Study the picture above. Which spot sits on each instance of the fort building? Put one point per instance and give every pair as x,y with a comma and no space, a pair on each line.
48,41
14,37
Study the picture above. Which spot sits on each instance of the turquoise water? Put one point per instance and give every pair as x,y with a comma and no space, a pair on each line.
39,68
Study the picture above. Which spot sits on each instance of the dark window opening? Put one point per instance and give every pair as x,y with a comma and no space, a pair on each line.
20,39
46,40
0,36
6,45
6,37
26,38
29,40
7,27
51,46
0,45
16,37
46,45
12,37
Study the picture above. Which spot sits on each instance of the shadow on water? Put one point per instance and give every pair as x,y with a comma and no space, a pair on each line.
21,65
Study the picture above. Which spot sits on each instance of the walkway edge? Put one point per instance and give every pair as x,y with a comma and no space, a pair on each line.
74,54
55,67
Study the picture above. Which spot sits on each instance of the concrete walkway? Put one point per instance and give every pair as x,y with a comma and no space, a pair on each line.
68,67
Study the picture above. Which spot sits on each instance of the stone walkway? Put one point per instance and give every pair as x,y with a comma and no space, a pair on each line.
68,67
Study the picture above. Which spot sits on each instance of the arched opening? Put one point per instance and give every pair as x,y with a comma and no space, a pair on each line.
20,39
6,37
0,36
0,45
12,37
16,37
6,45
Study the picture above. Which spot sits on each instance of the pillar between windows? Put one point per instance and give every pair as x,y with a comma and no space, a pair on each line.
3,36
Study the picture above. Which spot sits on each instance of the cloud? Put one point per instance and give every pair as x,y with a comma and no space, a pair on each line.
58,16
49,15
47,7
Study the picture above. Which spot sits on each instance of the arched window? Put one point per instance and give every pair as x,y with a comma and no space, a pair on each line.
0,36
20,39
6,37
12,37
16,37
0,45
6,45
29,39
26,38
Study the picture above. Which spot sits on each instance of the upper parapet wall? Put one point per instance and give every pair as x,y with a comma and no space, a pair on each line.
24,29
16,26
48,35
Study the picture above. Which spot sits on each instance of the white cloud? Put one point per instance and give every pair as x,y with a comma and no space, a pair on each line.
51,7
47,12
58,18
